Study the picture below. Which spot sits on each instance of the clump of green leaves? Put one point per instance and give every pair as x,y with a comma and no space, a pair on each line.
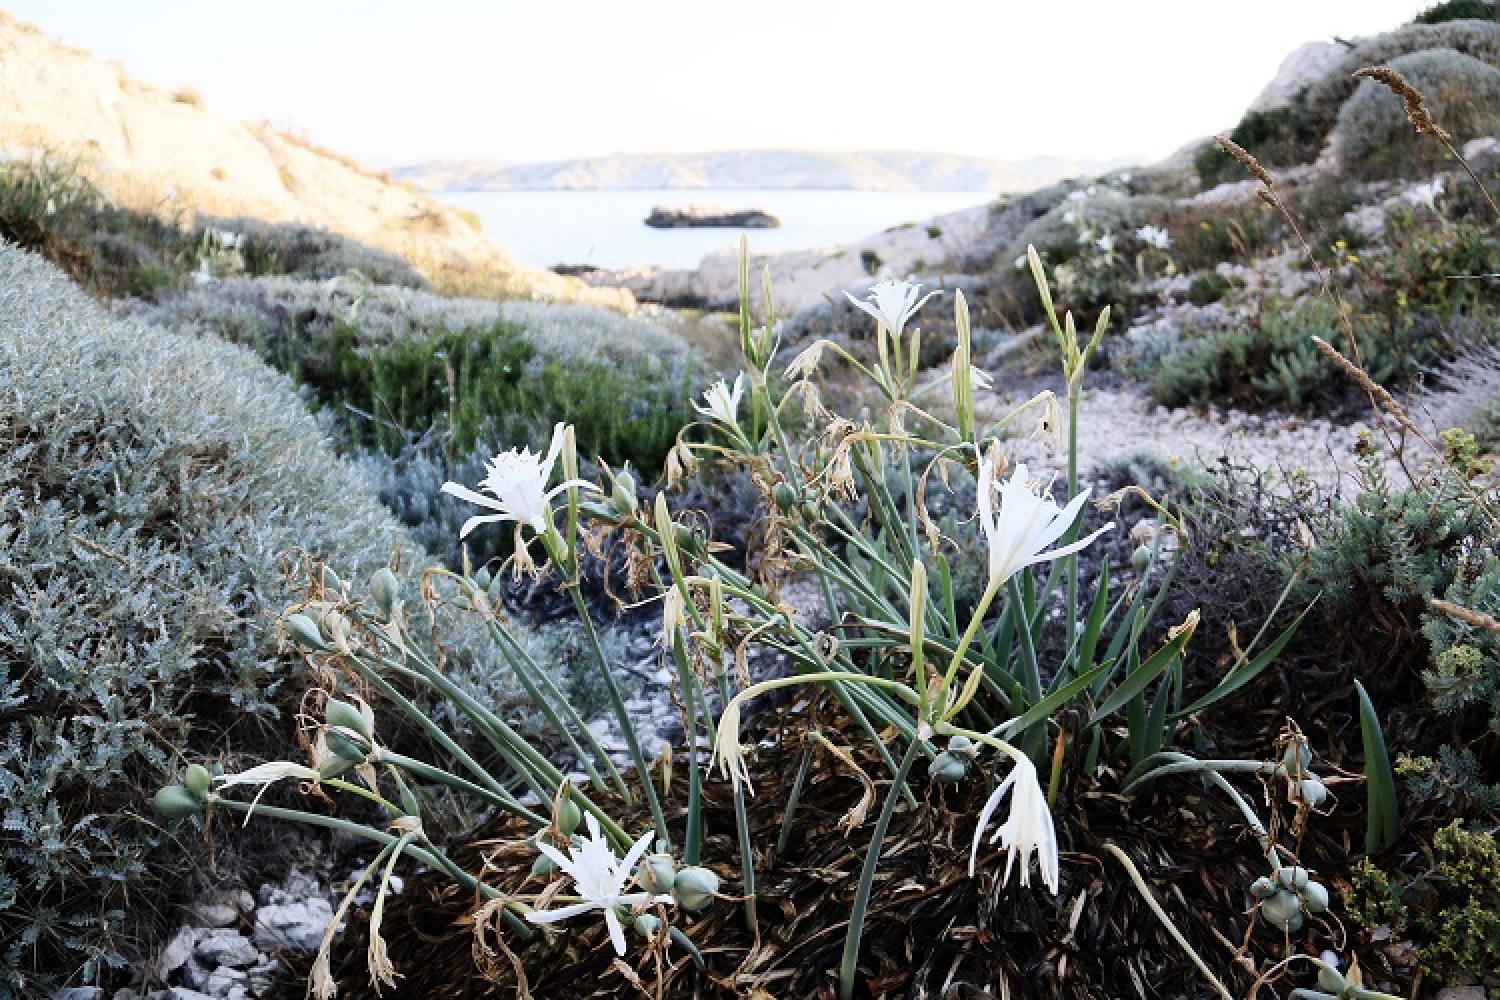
1451,908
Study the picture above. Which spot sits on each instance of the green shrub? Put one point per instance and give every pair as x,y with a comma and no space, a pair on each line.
1374,137
155,489
1280,137
1450,908
1273,362
395,363
1456,10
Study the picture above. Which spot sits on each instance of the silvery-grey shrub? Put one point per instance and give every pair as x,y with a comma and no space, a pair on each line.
154,486
1463,93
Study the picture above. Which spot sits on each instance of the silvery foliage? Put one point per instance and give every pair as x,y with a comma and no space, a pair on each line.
154,488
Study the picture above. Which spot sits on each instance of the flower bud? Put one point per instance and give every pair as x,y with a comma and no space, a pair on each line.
1293,878
347,746
567,816
657,873
1281,909
543,866
386,590
622,497
1140,559
347,716
1262,888
196,780
962,747
694,888
304,632
647,924
176,802
948,768
482,579
1312,791
1315,897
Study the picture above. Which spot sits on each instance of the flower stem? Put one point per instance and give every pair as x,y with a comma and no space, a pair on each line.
849,966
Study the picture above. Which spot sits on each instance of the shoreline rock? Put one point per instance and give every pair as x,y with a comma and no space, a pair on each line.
710,217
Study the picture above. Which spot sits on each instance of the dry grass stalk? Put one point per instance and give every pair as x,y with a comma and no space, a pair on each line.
1469,616
1421,119
1247,161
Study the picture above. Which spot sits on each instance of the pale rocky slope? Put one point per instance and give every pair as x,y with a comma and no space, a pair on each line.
155,151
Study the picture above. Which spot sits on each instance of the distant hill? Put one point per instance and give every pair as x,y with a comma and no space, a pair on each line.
757,168
153,150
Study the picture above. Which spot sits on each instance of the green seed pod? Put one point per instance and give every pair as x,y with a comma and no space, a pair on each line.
1293,878
1281,908
347,746
482,579
785,497
543,866
1312,791
962,747
1315,897
1140,559
304,632
647,924
1262,888
567,816
948,768
694,888
657,873
331,580
196,780
386,590
176,802
341,713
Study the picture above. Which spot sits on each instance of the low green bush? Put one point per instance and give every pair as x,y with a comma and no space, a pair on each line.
1456,10
1279,137
156,490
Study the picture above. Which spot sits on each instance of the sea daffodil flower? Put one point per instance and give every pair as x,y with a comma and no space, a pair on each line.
600,878
1026,523
893,303
1026,831
516,482
722,403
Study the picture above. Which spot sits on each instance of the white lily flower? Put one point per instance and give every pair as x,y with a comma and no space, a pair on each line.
1026,523
517,483
265,775
1154,236
722,403
893,303
1026,831
600,879
1424,194
1106,243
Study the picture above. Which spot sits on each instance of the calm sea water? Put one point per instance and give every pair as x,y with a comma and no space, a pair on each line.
607,228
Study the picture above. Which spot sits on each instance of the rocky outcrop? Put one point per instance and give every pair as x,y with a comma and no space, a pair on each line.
710,217
806,277
1304,66
147,148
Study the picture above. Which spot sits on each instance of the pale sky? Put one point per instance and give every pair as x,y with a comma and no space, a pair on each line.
393,82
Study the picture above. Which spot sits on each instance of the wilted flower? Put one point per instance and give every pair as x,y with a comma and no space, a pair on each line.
1154,236
806,363
722,403
893,303
600,879
728,753
517,483
1026,831
1026,523
264,775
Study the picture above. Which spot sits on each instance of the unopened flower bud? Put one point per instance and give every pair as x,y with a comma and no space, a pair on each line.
176,802
657,873
1315,897
694,888
948,768
622,497
347,716
196,780
1312,791
647,924
386,590
1140,559
304,632
567,816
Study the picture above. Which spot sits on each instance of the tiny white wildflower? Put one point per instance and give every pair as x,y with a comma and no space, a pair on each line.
1154,236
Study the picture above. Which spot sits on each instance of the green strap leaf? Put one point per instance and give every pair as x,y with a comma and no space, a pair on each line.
1382,823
